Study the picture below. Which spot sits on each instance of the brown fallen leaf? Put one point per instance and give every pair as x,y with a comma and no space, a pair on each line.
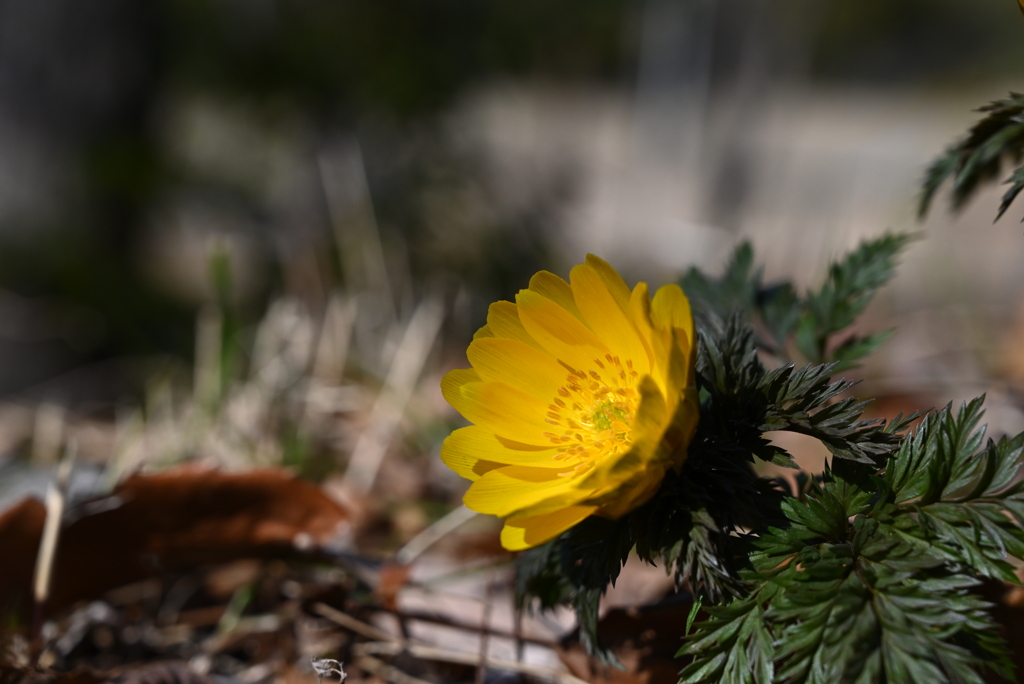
393,577
169,521
31,675
20,529
169,672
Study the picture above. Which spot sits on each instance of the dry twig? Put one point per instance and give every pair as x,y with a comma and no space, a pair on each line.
387,672
446,656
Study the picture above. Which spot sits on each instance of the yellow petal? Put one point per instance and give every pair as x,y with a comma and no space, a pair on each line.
640,314
519,365
525,532
670,313
680,431
671,309
466,464
503,320
640,307
480,443
636,492
549,285
652,414
452,382
607,318
505,491
612,280
504,410
560,333
483,332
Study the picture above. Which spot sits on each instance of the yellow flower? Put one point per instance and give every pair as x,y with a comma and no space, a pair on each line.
582,397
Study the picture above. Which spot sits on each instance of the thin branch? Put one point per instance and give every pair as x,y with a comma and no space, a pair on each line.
415,547
351,623
387,672
445,656
421,616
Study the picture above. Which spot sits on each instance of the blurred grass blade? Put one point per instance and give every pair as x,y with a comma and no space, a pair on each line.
417,341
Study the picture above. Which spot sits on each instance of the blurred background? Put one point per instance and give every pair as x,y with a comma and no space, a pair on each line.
257,232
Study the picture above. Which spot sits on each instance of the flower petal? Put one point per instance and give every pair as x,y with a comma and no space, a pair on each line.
612,280
636,492
673,339
657,344
518,365
479,443
452,382
466,465
671,309
680,431
483,332
560,333
607,318
525,532
504,410
549,285
505,491
503,321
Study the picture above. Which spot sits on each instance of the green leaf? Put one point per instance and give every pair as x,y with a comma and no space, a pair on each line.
780,315
849,288
694,609
978,158
734,647
1016,183
856,347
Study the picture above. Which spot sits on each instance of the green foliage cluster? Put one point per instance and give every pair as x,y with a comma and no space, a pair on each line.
869,577
786,322
862,575
979,157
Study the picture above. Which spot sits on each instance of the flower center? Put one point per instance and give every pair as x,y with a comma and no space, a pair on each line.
593,412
